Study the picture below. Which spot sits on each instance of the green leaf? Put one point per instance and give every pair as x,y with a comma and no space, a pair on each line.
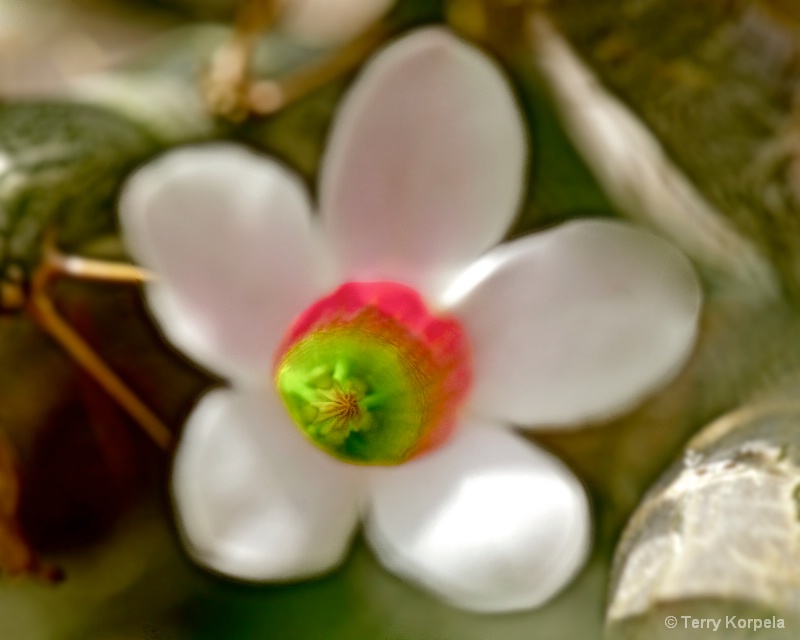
61,166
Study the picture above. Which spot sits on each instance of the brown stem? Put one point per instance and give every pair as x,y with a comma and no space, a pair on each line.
43,311
230,90
88,269
266,97
226,82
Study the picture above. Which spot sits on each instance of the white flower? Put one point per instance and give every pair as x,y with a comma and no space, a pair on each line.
423,174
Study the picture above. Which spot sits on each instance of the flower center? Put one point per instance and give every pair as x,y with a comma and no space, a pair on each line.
371,376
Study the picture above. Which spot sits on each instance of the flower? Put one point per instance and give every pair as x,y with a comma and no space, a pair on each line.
422,176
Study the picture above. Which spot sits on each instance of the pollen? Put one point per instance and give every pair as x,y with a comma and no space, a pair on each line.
338,412
340,406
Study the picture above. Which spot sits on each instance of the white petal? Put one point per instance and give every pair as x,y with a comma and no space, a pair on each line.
325,22
230,238
576,323
424,170
254,499
489,523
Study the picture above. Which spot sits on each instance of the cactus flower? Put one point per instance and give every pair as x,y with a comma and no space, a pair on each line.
383,355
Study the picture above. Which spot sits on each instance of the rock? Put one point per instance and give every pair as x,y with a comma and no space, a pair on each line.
719,533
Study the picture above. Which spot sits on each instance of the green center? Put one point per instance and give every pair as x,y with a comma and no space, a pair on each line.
354,395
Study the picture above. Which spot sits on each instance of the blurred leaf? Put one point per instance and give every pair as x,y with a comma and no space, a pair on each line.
86,463
61,165
716,83
82,472
16,556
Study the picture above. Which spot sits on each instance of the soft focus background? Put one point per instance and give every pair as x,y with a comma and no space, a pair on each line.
679,114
